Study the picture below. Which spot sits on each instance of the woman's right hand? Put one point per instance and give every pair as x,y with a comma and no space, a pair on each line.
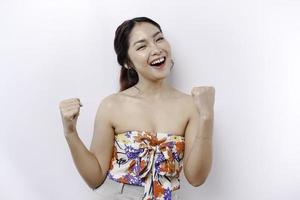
69,110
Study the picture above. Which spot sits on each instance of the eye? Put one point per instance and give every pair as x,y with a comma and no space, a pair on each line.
141,47
161,38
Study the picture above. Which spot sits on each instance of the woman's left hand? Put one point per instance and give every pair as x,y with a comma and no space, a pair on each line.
204,98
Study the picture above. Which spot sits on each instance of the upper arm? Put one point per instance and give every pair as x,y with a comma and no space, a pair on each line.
191,130
103,136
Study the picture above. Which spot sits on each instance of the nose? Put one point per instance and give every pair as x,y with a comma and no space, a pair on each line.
155,50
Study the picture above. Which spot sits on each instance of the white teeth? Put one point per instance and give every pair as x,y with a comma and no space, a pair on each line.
158,61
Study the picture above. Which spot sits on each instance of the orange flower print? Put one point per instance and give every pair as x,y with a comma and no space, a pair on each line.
158,190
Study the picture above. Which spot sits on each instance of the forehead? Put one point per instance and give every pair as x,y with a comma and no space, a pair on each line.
142,30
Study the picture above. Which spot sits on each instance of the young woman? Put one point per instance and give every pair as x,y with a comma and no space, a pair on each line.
149,131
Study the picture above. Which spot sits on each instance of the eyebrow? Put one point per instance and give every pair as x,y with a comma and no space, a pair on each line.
143,40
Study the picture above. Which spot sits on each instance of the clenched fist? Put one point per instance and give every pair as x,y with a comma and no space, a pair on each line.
69,110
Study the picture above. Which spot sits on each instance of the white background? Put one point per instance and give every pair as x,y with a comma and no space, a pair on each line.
248,50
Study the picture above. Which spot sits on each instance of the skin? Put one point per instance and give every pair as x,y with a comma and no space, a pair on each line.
152,105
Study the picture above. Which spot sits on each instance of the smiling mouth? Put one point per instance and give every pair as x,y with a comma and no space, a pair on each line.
158,63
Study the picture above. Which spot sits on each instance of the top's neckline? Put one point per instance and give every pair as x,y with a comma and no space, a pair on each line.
169,133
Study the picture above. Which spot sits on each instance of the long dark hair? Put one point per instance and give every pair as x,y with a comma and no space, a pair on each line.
128,77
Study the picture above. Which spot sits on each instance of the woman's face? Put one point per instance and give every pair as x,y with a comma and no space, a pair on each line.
149,51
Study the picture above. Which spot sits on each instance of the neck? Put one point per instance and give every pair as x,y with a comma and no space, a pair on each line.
155,90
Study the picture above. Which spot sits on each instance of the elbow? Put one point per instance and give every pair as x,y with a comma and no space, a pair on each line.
197,183
96,179
94,186
95,183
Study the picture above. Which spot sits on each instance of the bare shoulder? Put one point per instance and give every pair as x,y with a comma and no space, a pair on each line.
108,100
108,104
187,101
184,97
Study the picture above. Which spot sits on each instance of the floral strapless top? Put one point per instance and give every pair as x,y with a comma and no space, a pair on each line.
144,159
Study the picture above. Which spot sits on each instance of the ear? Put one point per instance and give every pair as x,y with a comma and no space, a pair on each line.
126,66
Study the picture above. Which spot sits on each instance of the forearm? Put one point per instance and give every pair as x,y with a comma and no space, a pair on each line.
199,160
85,161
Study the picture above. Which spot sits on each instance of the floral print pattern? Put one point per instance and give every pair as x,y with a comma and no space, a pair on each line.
144,159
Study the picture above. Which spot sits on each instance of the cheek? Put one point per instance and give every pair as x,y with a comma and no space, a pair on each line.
167,47
133,55
138,57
